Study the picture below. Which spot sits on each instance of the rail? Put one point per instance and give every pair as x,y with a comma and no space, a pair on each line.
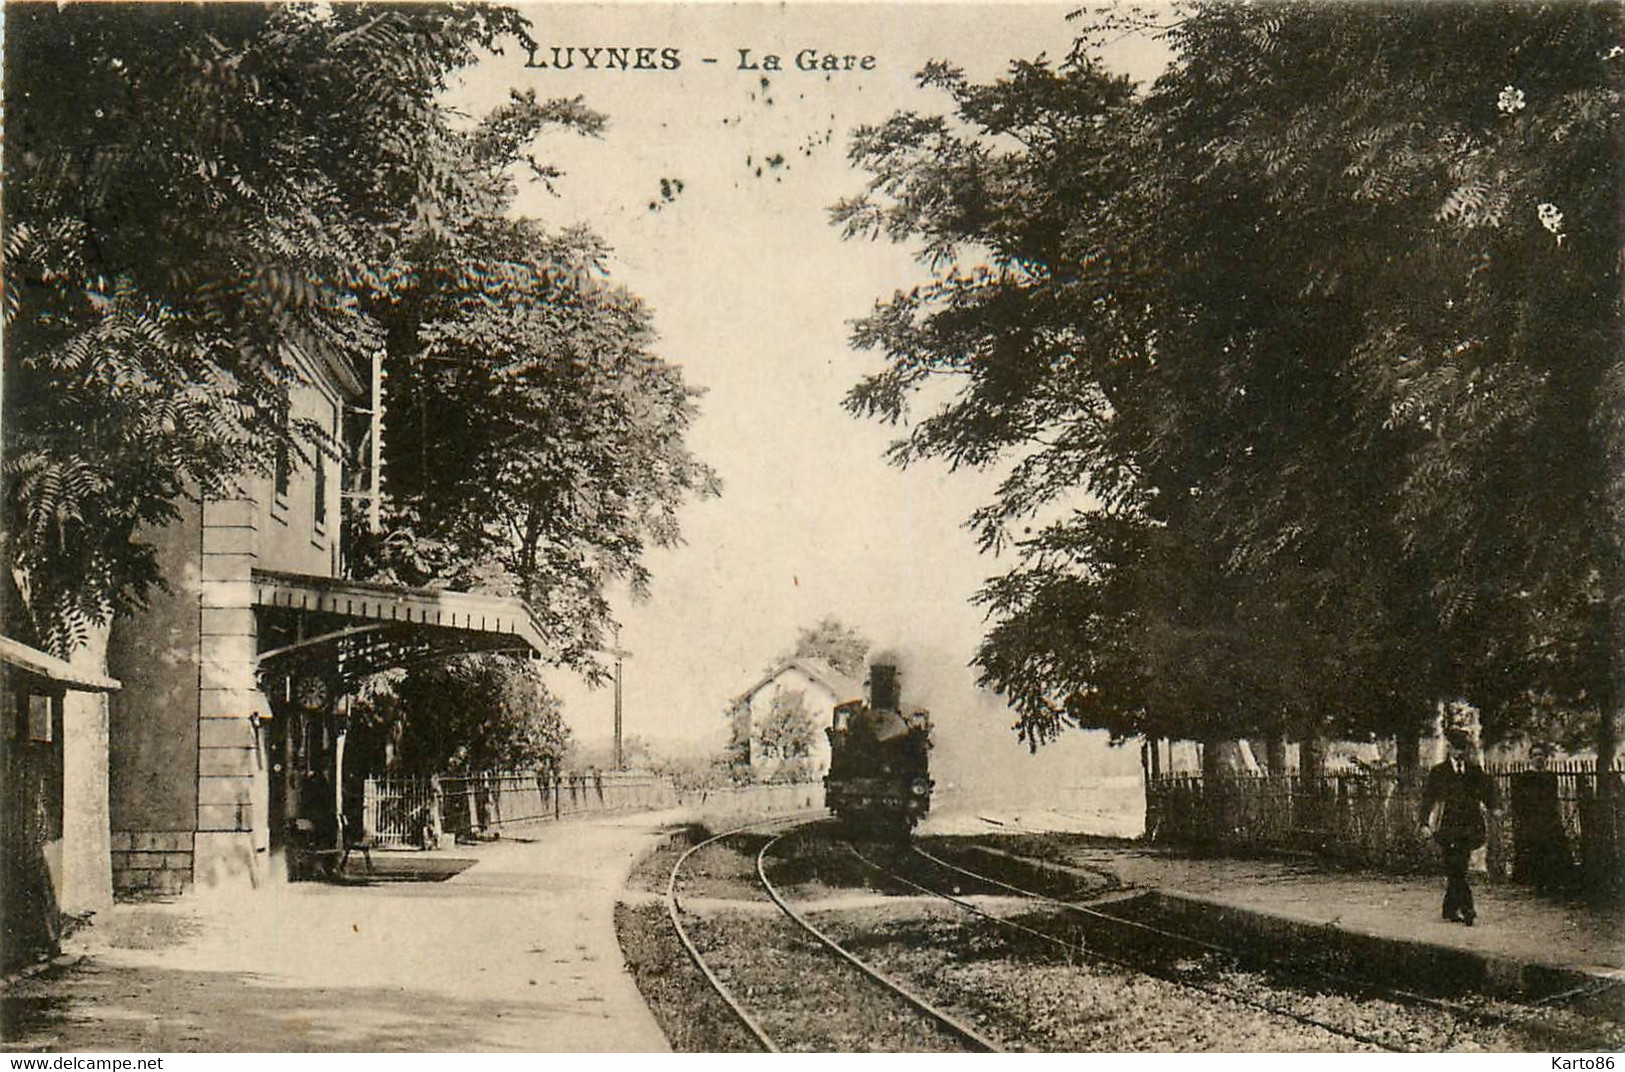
751,1024
1291,965
952,1024
1097,955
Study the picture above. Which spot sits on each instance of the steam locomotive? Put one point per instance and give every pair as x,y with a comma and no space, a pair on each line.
879,782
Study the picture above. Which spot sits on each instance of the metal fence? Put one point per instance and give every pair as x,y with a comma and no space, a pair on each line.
1560,826
416,812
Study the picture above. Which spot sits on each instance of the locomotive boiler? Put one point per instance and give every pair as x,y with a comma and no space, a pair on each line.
879,782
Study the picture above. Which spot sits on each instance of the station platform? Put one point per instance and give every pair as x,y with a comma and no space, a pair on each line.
502,946
1524,945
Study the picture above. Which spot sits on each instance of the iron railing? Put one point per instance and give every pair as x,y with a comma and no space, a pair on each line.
406,812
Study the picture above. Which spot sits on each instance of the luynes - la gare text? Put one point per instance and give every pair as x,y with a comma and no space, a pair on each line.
652,58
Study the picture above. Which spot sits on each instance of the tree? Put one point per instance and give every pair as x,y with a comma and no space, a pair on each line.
189,194
1115,605
736,753
192,192
1176,315
787,734
839,645
539,442
636,754
467,716
472,714
1481,361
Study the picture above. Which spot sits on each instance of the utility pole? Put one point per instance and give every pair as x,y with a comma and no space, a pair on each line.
620,760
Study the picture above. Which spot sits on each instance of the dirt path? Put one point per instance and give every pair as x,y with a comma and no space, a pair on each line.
515,950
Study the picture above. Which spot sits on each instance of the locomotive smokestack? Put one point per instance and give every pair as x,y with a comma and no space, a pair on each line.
885,691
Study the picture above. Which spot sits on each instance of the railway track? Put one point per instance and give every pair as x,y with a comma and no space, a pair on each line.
755,948
1362,986
748,1021
1072,947
1235,957
949,1025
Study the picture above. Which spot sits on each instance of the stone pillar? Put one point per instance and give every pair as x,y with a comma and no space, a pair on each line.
230,802
87,850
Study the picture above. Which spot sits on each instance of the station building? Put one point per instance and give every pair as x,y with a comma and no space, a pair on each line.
226,741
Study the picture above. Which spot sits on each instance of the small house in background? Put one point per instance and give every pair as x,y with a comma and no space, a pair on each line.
53,823
820,689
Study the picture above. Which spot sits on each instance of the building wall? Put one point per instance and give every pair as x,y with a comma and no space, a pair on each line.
54,846
86,874
818,701
153,726
296,529
297,537
189,777
228,760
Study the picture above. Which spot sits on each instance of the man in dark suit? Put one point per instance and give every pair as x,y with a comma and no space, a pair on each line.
1455,800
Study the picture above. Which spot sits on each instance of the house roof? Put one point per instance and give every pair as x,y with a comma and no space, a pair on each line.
16,654
842,687
371,627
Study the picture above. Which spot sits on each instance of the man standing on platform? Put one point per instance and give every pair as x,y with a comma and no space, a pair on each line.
1455,801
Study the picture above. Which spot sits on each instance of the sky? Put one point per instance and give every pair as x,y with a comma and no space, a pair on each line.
752,292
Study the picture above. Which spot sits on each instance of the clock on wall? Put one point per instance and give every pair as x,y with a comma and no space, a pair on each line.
311,692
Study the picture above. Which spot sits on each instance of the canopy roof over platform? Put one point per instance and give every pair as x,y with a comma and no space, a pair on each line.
360,628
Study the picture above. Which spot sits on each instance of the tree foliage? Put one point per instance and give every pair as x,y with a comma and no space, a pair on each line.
1302,363
536,444
735,756
192,192
468,715
189,194
842,646
787,731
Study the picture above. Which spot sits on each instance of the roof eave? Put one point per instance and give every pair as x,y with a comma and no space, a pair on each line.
19,656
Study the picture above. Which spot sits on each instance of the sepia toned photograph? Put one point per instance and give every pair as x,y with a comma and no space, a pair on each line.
879,527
